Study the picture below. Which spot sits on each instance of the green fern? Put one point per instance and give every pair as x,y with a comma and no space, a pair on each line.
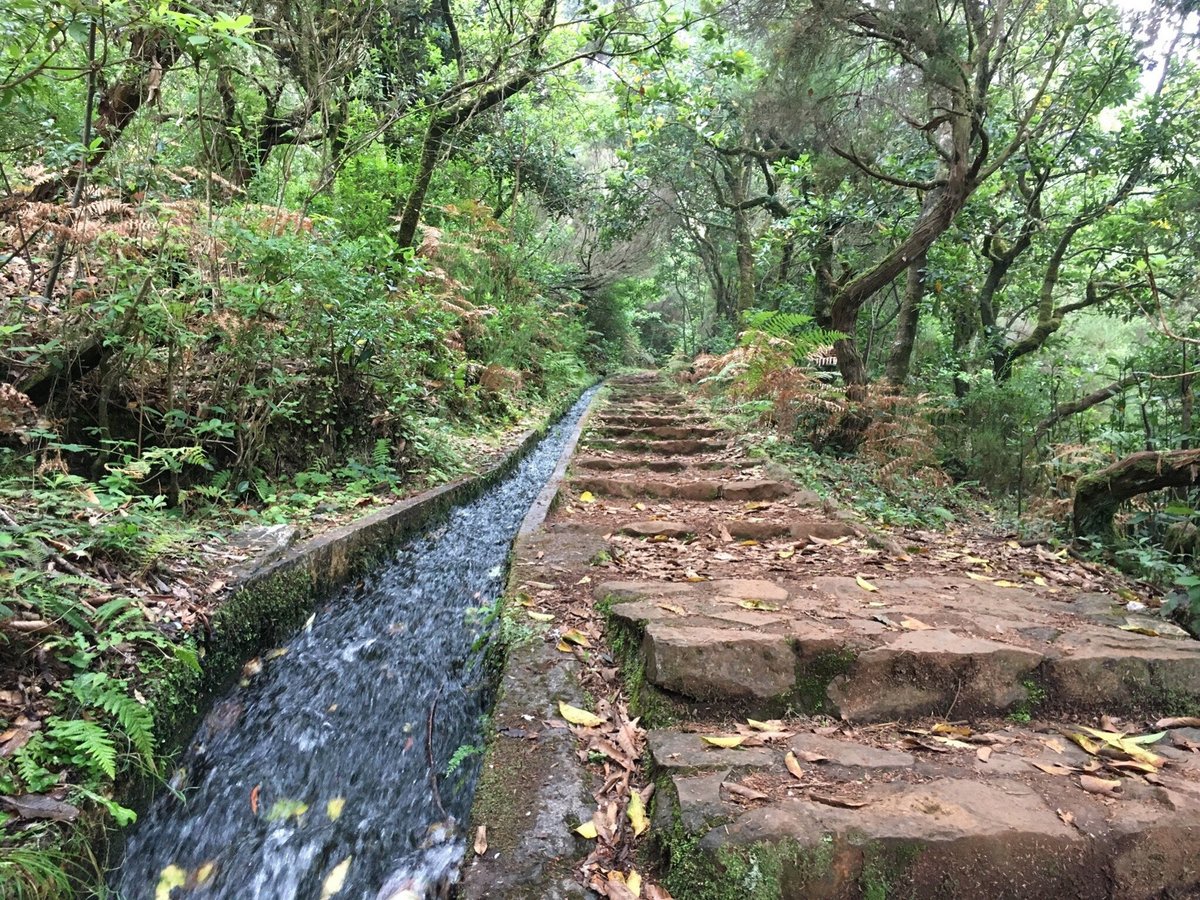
381,454
797,329
84,744
98,690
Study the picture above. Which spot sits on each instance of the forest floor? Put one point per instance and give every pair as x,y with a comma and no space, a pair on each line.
770,696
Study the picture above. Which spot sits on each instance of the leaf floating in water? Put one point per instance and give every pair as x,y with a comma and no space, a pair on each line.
336,879
587,497
254,792
172,877
334,808
724,741
276,653
636,810
286,809
577,716
205,872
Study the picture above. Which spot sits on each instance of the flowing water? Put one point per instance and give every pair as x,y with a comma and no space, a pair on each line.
324,757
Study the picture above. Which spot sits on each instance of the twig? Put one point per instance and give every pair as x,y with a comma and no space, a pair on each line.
50,552
433,775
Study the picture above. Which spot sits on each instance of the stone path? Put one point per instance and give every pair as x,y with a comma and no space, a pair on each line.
827,712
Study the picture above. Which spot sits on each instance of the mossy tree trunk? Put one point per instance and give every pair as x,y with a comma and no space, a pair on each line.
1099,495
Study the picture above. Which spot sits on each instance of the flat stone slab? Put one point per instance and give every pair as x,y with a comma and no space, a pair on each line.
710,662
673,432
914,647
653,528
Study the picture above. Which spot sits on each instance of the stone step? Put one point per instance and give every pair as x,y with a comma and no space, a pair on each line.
652,464
878,818
658,432
643,419
913,647
660,447
630,487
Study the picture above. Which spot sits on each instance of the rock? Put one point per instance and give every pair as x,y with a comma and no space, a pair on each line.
717,663
756,531
684,752
826,531
739,491
927,672
849,754
1106,670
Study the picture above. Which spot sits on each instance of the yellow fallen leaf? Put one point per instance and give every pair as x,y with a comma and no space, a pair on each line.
793,765
276,653
205,872
724,741
586,579
693,576
575,636
829,542
170,878
975,560
564,647
914,625
540,616
1039,580
775,725
975,576
587,830
587,497
758,604
1005,584
633,881
786,554
336,879
671,607
639,506
864,584
334,808
577,716
636,811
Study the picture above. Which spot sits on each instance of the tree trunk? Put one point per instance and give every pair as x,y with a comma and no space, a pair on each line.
1099,495
906,327
1066,410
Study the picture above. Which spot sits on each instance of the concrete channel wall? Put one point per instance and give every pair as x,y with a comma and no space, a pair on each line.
268,604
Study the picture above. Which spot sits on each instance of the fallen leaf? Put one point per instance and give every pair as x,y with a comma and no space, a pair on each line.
480,840
1067,818
1005,584
1178,722
1052,768
740,790
758,604
575,636
793,765
724,741
540,616
276,653
587,830
586,579
170,878
786,554
205,872
771,725
671,607
577,716
336,879
864,584
587,497
254,792
842,802
958,731
39,806
812,757
983,754
914,625
1103,786
286,809
636,811
564,647
633,881
639,506
975,576
693,576
333,809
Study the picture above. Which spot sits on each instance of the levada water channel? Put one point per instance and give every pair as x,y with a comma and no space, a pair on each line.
318,772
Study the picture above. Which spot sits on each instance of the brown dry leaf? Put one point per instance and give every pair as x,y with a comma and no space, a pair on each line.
1102,786
481,840
914,625
793,766
740,790
726,537
671,607
811,757
1053,768
1178,722
1066,817
841,802
983,754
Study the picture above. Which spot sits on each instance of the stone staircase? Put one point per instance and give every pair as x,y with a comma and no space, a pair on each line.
920,729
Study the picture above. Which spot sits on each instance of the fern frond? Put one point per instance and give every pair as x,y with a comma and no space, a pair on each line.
85,740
